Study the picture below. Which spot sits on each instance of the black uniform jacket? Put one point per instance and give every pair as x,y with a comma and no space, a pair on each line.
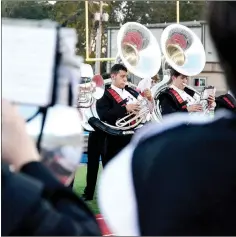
109,110
169,104
194,180
34,202
226,101
185,186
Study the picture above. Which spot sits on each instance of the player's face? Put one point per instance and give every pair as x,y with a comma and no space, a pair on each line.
153,83
120,79
180,80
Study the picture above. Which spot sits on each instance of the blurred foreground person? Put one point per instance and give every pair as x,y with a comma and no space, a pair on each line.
226,101
34,202
178,179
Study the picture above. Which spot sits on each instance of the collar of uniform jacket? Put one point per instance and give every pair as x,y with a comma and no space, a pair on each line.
124,94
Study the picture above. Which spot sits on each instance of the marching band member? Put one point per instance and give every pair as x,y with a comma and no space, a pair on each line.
179,98
117,101
96,144
147,83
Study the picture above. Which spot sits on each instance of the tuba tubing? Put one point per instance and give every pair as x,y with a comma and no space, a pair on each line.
137,119
97,124
206,107
191,88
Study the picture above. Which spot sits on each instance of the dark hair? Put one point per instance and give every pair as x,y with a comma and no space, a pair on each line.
156,78
106,76
173,72
117,67
222,24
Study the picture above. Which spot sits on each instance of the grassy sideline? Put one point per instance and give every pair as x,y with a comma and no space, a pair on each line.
79,185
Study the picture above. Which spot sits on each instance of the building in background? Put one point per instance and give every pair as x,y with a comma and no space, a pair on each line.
212,73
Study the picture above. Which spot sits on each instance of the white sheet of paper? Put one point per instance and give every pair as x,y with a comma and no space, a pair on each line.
28,59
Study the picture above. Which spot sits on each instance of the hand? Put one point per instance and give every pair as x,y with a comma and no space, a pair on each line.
211,100
132,108
147,94
17,146
194,108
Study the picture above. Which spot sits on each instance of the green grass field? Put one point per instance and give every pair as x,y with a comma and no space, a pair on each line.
80,183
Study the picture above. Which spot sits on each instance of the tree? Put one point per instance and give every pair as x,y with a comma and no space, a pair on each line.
74,14
150,12
26,9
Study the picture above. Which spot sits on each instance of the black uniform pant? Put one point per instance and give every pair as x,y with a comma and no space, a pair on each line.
114,144
95,149
96,142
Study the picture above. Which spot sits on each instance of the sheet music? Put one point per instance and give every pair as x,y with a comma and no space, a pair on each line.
28,58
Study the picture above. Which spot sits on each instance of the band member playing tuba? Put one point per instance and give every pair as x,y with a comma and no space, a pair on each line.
183,56
117,101
179,98
148,83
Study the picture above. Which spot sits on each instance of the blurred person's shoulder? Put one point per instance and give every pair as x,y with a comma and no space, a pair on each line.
184,161
181,134
177,151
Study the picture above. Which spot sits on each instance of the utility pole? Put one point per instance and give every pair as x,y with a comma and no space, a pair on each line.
177,12
99,41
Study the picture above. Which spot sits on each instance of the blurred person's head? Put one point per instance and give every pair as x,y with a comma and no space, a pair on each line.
222,24
119,75
155,80
177,79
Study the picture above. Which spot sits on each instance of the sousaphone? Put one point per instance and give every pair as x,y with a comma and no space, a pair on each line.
139,51
184,52
90,89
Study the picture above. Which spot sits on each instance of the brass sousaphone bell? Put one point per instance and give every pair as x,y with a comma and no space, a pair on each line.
138,50
91,89
183,50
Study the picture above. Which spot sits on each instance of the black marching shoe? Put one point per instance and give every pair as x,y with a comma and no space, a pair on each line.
85,197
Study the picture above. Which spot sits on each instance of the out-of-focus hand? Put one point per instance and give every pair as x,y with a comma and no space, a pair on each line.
18,148
194,108
147,94
211,100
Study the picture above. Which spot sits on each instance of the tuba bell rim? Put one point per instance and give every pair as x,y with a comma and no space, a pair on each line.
196,47
152,46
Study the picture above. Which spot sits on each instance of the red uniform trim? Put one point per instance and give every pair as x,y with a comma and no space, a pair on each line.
115,95
228,102
178,97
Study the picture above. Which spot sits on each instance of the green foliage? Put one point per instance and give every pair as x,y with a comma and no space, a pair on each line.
161,11
26,9
73,14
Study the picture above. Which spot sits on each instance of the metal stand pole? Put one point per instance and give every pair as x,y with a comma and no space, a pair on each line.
98,41
177,11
